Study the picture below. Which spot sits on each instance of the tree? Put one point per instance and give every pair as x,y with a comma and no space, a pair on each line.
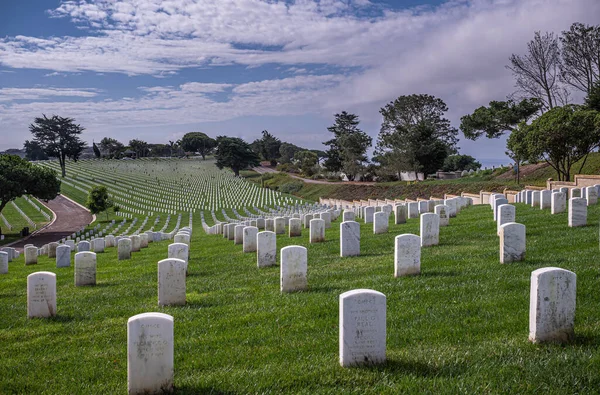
268,147
140,147
235,153
307,161
414,134
96,150
198,142
498,118
172,146
111,147
561,137
59,137
19,177
592,100
537,72
348,147
460,162
516,146
33,151
580,66
320,154
287,152
98,200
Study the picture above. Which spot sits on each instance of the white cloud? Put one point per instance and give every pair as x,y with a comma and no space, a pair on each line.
203,87
456,51
11,94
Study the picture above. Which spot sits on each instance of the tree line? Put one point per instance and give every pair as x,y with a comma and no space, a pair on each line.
415,135
542,122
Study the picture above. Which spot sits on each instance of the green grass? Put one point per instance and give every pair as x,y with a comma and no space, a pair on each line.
459,327
388,190
18,222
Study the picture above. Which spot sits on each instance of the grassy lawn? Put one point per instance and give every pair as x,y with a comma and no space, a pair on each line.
459,327
18,222
389,190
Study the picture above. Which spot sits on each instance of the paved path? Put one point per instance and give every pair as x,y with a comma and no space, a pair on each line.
263,170
70,218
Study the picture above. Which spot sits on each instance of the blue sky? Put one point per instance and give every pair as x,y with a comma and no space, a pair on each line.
155,70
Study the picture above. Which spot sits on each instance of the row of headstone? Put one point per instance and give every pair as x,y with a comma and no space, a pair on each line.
363,327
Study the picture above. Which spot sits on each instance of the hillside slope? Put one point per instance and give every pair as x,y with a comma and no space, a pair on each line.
493,181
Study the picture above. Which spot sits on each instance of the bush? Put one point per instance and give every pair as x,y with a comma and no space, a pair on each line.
288,168
318,177
291,187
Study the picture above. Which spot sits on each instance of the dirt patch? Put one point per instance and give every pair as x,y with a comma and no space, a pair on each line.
525,171
70,218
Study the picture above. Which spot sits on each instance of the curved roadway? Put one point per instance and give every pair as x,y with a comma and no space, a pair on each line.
70,217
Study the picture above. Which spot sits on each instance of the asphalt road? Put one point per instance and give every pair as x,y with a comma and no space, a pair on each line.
70,218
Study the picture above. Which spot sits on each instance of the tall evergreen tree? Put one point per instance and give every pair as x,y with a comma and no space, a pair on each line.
348,148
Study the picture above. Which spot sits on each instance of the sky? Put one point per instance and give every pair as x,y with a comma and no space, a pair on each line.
157,69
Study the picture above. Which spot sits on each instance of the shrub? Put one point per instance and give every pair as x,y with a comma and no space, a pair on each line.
290,187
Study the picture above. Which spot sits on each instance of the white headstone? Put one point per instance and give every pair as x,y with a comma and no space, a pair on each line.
41,295
136,243
430,229
85,268
249,242
266,248
270,225
231,232
512,242
294,265
506,214
497,203
295,229
369,212
558,203
238,237
317,231
591,195
407,255
552,305
349,238
99,245
3,262
326,217
348,216
380,223
279,225
442,211
400,214
577,212
535,199
109,241
413,210
171,280
575,193
144,240
52,249
150,345
83,246
545,199
307,219
452,210
63,256
362,327
179,251
31,255
124,248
